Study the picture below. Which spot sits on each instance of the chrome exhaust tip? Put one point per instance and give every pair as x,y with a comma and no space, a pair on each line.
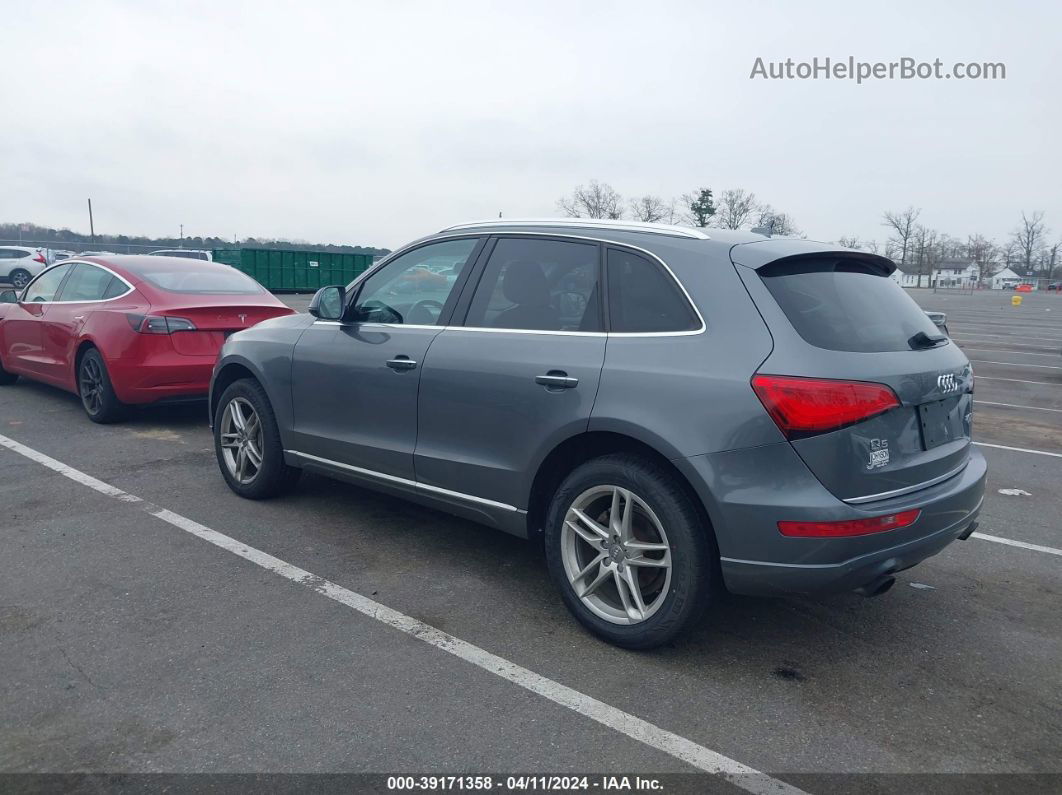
877,587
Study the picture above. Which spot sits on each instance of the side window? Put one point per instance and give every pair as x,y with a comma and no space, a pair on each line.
87,283
5,253
542,285
414,288
643,298
45,286
115,288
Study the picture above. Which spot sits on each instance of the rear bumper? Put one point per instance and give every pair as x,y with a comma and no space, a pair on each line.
757,560
162,378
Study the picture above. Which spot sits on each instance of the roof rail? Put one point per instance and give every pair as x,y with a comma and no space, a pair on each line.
588,223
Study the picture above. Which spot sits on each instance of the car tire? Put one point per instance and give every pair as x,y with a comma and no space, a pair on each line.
96,391
19,278
270,476
663,515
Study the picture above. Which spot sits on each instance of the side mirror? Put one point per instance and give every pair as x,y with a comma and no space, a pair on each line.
327,303
8,297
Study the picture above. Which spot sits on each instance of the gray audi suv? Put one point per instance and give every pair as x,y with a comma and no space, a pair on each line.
671,411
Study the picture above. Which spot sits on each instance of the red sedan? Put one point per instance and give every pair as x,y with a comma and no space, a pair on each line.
119,330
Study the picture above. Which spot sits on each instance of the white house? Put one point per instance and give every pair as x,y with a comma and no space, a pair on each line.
1005,278
955,273
907,279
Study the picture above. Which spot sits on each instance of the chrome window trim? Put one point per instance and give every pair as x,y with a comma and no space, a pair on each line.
668,230
884,495
621,244
119,277
406,482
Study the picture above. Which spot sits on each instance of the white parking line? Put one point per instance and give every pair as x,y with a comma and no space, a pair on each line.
1016,353
1018,449
1015,380
1019,364
1013,406
1012,543
977,338
698,756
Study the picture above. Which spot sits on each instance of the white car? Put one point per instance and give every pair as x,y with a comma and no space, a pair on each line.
58,255
187,253
19,264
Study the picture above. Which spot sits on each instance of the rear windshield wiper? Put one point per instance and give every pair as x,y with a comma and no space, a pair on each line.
922,340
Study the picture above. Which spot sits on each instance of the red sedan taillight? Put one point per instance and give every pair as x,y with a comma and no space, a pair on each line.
849,527
159,324
802,406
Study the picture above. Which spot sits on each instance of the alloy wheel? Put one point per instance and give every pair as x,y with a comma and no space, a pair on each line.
616,554
241,440
91,383
20,280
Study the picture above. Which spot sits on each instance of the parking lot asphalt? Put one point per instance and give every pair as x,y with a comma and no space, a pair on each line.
130,644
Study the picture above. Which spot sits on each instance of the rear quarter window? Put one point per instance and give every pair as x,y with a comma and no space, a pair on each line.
844,305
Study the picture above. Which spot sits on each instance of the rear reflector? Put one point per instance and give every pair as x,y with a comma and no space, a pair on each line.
849,527
802,406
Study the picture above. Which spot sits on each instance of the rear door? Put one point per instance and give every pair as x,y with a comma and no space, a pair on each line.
519,375
838,317
86,287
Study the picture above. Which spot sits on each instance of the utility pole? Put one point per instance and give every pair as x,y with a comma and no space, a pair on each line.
92,228
182,236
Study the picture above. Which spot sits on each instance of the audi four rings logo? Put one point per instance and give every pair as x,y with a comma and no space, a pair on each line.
947,382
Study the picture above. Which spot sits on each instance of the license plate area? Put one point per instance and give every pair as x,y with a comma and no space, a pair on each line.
935,421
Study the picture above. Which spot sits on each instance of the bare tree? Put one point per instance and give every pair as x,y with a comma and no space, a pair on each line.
903,225
776,223
1029,238
983,253
673,213
649,209
925,252
736,208
598,200
850,241
699,207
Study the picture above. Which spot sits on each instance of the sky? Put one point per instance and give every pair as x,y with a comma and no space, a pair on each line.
375,123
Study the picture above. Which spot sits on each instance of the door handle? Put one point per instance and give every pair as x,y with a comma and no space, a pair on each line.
557,379
79,317
401,363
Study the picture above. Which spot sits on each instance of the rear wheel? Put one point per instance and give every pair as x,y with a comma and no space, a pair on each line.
19,277
629,552
247,443
97,394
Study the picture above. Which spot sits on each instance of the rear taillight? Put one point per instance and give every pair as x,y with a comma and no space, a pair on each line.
40,258
849,527
802,406
159,324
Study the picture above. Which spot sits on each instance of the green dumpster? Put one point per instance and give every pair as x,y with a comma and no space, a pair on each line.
295,271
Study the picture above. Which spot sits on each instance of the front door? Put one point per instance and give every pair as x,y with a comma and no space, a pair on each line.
519,377
23,331
355,383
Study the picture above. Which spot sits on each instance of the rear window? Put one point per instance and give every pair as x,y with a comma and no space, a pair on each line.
844,305
195,278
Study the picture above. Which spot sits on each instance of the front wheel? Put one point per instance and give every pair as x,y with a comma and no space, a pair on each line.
247,443
629,551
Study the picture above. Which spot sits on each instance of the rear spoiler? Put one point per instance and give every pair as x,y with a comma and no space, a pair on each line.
759,253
